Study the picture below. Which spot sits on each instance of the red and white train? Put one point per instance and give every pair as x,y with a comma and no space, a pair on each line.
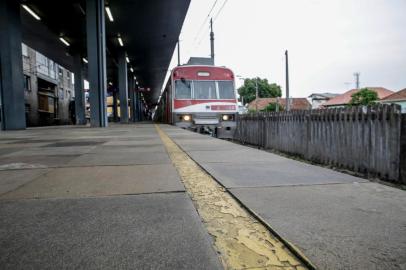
201,98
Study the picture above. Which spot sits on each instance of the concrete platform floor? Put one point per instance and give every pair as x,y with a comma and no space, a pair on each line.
89,198
338,221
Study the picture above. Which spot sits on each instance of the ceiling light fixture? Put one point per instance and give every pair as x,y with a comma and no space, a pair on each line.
127,59
85,60
132,70
31,12
120,41
109,14
64,41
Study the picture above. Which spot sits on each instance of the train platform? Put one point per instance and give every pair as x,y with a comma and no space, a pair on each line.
158,197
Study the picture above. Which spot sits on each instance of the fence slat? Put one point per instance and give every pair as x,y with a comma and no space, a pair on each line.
362,139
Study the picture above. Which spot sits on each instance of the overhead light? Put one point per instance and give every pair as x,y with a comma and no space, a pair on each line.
64,41
110,83
120,41
109,14
135,78
136,83
31,12
131,69
127,59
85,60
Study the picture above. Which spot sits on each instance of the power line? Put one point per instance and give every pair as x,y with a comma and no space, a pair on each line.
205,20
215,17
201,39
218,13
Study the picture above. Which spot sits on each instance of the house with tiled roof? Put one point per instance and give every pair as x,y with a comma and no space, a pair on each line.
318,99
295,103
344,99
396,98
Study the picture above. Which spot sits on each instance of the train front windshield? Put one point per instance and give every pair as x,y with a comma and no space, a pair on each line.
226,90
204,89
183,89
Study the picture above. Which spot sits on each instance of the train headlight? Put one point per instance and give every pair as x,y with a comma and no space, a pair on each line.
227,117
186,118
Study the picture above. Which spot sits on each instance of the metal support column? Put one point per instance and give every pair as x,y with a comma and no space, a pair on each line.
139,109
132,98
80,107
115,105
11,67
123,87
96,53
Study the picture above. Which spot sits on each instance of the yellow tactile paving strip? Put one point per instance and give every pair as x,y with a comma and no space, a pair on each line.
241,241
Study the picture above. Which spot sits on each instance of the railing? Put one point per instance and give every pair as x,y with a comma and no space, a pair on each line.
362,139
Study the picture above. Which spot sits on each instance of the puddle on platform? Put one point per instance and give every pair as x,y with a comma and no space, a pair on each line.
241,241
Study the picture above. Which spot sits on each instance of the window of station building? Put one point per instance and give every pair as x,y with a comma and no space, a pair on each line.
226,90
183,89
24,50
204,90
61,94
27,83
52,69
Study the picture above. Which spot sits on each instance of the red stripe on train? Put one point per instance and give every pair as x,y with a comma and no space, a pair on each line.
223,107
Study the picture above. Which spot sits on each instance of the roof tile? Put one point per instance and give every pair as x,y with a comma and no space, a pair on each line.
400,95
346,97
296,103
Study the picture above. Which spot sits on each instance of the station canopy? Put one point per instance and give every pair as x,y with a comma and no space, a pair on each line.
149,31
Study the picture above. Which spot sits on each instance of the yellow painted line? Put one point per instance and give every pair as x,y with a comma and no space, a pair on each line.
240,239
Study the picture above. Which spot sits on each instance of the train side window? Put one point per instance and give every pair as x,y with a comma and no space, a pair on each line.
205,90
183,89
226,90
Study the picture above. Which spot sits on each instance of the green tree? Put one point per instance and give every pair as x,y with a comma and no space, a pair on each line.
265,89
363,97
271,107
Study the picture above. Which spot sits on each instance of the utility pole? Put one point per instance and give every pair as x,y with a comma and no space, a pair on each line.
211,40
357,74
178,52
287,81
256,94
277,104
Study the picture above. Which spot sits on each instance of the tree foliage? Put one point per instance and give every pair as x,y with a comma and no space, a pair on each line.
363,97
271,107
265,89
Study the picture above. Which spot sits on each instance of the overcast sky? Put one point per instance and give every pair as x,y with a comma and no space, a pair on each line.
328,40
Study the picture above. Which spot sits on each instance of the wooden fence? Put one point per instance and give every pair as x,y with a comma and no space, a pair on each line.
362,139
